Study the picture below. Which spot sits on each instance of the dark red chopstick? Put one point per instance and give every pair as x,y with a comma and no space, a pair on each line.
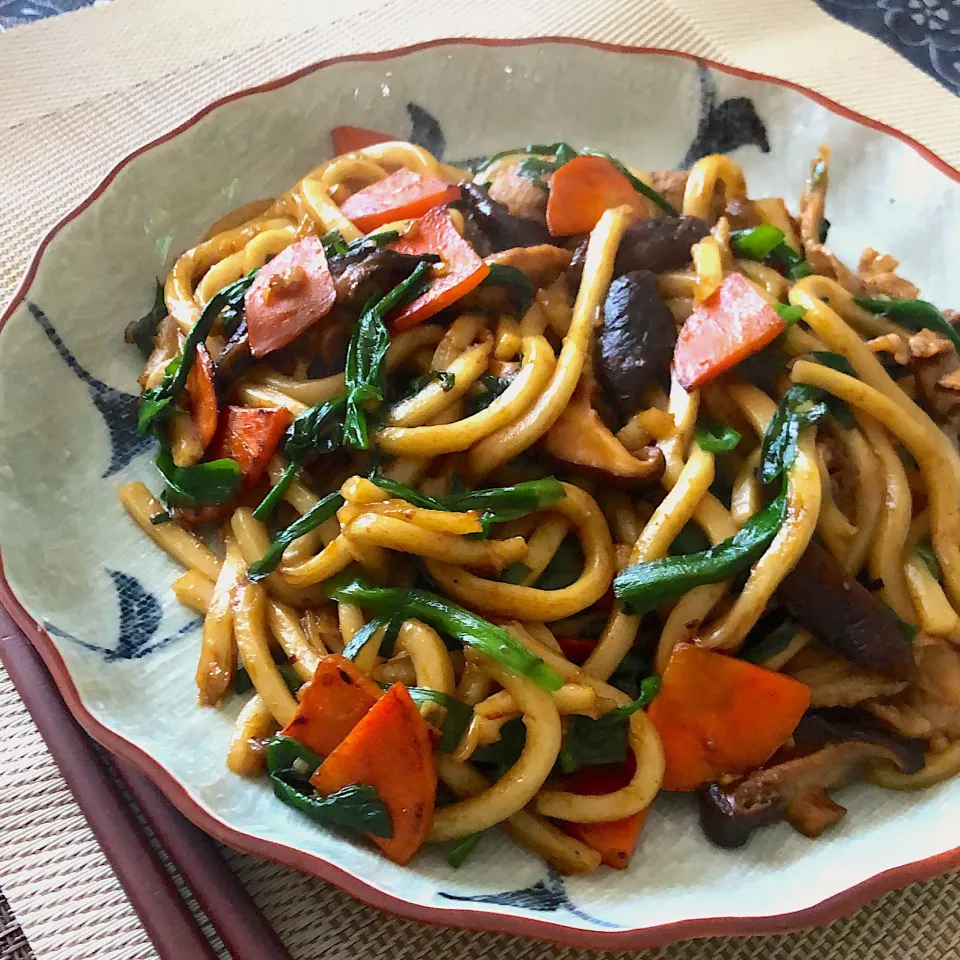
169,924
241,926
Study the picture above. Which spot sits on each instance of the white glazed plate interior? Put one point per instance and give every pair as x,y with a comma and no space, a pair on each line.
81,569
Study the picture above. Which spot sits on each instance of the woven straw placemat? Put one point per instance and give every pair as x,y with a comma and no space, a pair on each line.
84,89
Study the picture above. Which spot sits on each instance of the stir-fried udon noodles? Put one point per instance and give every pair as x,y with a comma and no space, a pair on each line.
513,496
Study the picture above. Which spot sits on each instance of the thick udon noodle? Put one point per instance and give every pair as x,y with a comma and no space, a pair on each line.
431,436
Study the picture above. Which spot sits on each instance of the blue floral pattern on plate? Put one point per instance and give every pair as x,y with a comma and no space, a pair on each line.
118,409
14,13
545,896
925,32
140,615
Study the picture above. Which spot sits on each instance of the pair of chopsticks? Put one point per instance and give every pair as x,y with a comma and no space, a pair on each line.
170,925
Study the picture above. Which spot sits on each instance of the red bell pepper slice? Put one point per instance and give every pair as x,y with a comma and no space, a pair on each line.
202,396
250,436
614,840
719,715
462,270
733,323
401,196
582,190
576,649
292,292
347,139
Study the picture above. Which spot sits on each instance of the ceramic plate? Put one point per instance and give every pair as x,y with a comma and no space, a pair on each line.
94,594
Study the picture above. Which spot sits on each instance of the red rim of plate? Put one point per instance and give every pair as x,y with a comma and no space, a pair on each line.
636,939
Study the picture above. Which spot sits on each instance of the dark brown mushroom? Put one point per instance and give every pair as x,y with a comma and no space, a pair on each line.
490,226
635,343
373,275
654,245
843,614
939,379
234,361
670,184
831,747
829,724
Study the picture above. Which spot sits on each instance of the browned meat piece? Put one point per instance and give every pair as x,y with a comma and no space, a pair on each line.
916,713
671,184
894,344
542,264
835,682
938,668
720,232
741,214
812,205
938,376
926,344
830,748
843,614
878,271
521,196
842,473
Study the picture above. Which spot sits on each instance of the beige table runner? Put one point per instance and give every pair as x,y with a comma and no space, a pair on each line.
82,90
